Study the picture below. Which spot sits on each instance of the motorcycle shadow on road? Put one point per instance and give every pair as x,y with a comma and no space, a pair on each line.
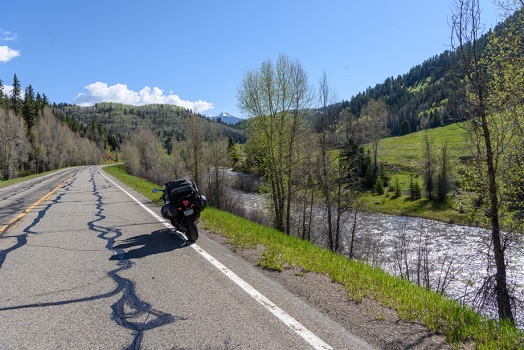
158,242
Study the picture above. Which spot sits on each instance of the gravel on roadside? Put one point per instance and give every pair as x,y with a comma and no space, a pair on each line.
368,320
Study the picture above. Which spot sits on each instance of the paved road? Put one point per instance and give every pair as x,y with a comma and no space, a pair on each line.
91,268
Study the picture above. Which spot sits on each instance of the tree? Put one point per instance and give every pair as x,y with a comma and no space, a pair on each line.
354,162
29,108
429,164
504,61
379,187
326,165
443,176
414,188
45,100
487,134
2,103
195,137
375,115
16,97
398,191
405,128
235,154
273,97
13,144
217,158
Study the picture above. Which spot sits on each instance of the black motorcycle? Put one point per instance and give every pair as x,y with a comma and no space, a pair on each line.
182,206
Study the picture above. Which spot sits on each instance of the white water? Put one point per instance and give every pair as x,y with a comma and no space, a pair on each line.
457,256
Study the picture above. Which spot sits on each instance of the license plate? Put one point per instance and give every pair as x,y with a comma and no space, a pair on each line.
188,212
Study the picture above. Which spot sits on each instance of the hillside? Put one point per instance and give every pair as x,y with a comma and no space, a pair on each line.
424,96
167,121
406,151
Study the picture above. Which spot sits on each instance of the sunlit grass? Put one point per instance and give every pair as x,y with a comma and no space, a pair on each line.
25,178
412,303
406,151
415,304
448,212
143,186
402,158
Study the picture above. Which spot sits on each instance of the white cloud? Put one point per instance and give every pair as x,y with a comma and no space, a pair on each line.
100,92
7,91
7,36
7,54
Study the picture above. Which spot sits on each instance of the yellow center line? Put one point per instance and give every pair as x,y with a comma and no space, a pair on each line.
21,215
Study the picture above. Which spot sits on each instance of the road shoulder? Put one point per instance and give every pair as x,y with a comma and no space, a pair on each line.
368,320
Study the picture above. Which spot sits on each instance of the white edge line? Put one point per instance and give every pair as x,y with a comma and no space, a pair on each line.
289,321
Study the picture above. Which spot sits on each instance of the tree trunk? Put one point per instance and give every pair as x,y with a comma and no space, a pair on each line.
503,298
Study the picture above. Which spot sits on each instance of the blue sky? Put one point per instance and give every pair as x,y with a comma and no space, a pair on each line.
194,53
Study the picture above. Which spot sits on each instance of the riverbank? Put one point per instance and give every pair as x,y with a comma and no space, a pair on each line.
453,211
276,251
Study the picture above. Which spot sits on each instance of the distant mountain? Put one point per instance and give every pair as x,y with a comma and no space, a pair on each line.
226,118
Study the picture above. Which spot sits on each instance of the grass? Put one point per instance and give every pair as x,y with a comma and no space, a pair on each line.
448,212
402,158
140,185
406,151
458,323
24,178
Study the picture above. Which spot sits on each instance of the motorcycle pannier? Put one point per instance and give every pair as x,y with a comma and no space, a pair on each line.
174,191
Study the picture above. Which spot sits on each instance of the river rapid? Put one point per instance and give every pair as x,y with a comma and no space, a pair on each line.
446,257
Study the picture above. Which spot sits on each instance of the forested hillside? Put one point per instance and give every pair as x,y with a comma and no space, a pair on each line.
168,122
425,96
34,140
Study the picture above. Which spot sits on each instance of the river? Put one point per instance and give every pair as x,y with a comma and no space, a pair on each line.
453,258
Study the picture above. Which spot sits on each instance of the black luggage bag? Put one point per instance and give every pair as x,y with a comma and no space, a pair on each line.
174,191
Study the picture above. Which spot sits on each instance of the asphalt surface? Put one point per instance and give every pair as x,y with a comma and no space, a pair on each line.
90,268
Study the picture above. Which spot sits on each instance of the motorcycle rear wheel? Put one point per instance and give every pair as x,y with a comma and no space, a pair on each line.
192,229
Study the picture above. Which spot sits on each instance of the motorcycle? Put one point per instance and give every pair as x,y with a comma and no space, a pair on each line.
182,206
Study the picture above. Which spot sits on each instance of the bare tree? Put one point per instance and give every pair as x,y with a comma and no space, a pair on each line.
375,117
428,150
177,164
195,137
14,145
218,161
444,174
55,145
466,29
326,165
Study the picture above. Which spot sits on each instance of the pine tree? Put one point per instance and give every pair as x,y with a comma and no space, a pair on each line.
405,128
29,109
45,100
379,187
16,96
39,102
398,192
415,191
2,104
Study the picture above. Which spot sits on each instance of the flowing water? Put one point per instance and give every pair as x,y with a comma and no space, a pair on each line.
453,258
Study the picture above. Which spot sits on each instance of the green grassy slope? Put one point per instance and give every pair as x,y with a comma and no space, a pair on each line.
460,324
406,151
402,158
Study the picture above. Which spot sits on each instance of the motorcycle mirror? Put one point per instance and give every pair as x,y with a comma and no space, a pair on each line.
155,190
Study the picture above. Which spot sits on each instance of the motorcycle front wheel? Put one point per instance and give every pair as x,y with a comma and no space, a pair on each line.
192,230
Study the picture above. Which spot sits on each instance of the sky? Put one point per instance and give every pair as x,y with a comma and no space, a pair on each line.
195,53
